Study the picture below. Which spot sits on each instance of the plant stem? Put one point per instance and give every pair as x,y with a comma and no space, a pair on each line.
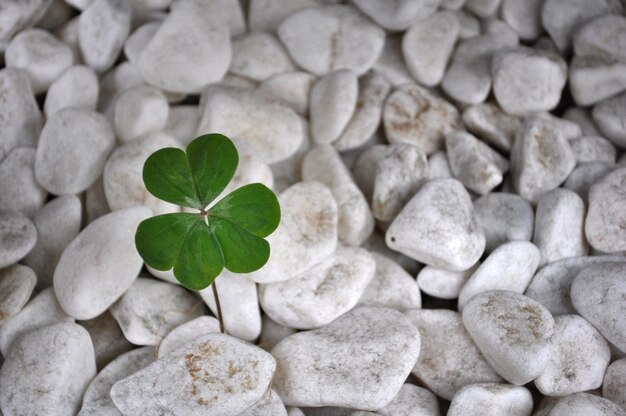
218,307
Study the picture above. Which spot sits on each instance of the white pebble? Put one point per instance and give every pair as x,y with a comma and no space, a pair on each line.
76,87
490,123
593,149
138,40
582,404
489,398
19,187
259,55
182,123
607,115
292,88
266,15
614,385
186,333
607,213
399,14
269,404
107,337
441,283
524,17
585,175
139,111
18,236
16,285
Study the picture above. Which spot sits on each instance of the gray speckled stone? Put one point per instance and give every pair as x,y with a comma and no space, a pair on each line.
16,285
18,236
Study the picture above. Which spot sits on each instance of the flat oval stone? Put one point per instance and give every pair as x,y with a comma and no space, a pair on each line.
139,111
448,349
326,38
578,360
598,295
16,285
97,399
360,360
76,87
73,147
322,293
47,371
607,213
509,267
18,236
438,227
42,310
259,55
187,332
391,286
300,241
491,399
57,223
614,385
512,331
19,187
214,374
100,264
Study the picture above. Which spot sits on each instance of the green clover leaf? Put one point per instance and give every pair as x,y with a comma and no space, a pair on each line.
230,234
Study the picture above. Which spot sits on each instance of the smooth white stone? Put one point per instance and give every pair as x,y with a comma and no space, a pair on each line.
391,286
269,404
19,187
239,303
333,100
259,55
578,361
413,115
411,400
47,371
113,83
541,158
321,294
438,227
438,166
16,285
399,14
18,15
559,226
608,116
108,339
475,164
391,64
273,130
468,78
373,90
607,213
597,294
614,385
306,235
190,50
361,360
100,264
76,87
267,14
97,399
57,224
527,80
593,149
72,150
441,283
504,217
182,123
215,374
42,56
592,79
150,309
21,122
139,111
323,39
41,311
18,236
292,88
95,201
510,267
102,29
356,222
582,117
483,8
448,349
122,178
138,40
427,46
585,175
364,169
492,399
561,18
187,332
490,123
582,404
469,25
524,17
512,331
272,333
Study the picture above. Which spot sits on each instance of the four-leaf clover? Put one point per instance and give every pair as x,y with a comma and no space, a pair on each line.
229,234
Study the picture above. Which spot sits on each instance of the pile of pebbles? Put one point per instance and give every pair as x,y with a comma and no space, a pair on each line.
452,179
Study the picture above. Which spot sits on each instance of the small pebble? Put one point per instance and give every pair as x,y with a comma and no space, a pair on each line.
359,361
107,337
19,187
18,236
581,404
150,309
607,213
607,115
139,111
438,227
214,374
524,17
447,348
269,404
16,285
42,56
76,87
100,264
490,123
598,295
593,149
512,331
182,123
187,332
47,371
489,399
398,15
259,55
327,38
411,400
614,385
292,88
578,360
585,175
441,283
266,15
391,63
321,294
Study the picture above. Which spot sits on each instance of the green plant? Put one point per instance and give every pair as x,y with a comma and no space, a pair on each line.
228,234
